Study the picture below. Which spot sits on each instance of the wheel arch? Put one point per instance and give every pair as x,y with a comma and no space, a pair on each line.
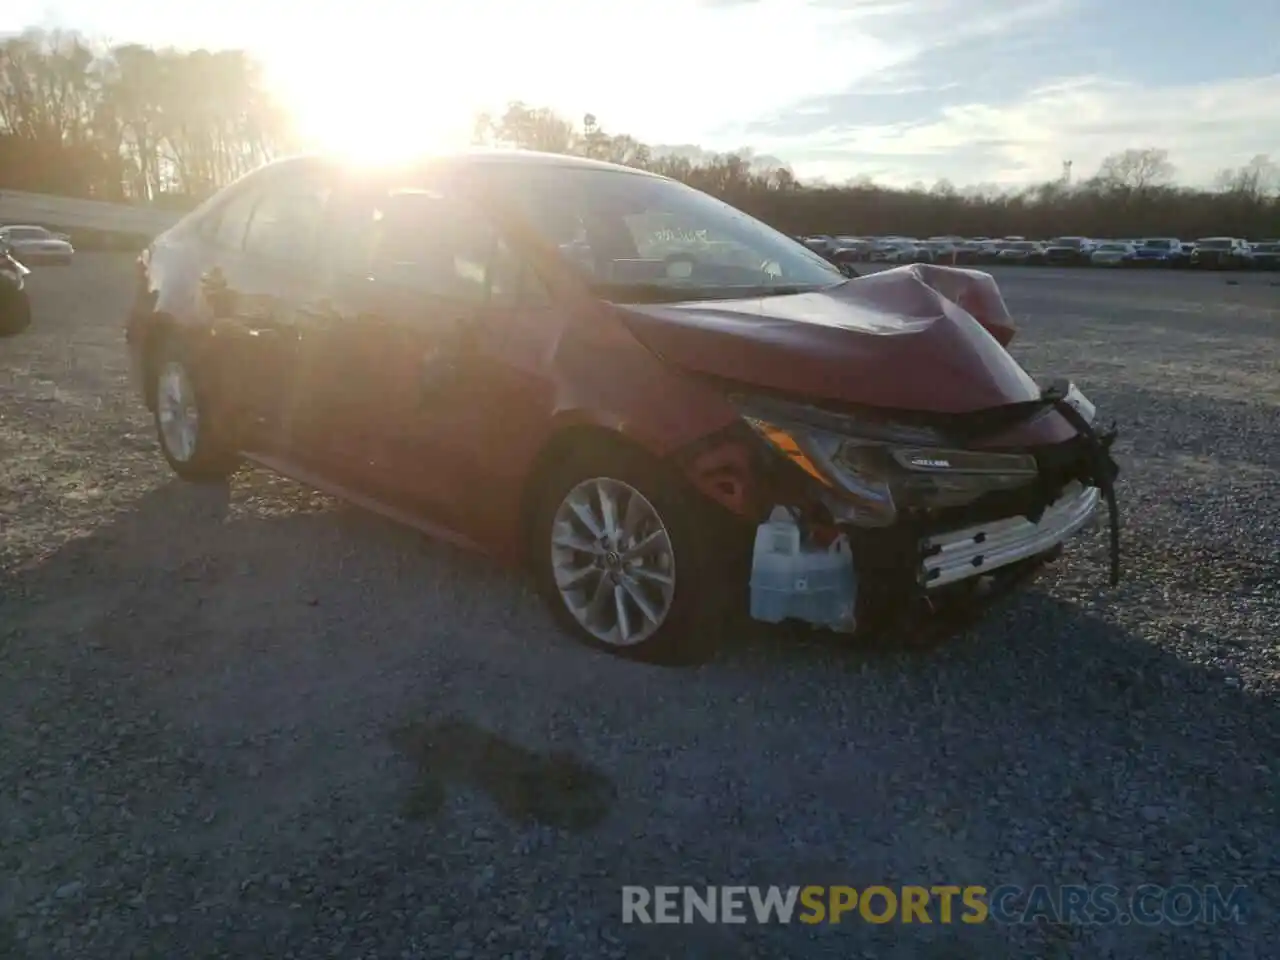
720,467
567,437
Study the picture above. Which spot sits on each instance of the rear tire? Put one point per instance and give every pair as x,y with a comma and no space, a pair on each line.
183,416
635,614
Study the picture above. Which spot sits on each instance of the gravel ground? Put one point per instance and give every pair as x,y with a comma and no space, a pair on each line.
263,724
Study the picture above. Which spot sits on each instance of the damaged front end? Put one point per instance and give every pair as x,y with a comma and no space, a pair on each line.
860,512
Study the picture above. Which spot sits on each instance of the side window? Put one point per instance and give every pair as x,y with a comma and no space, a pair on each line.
433,245
231,220
512,281
287,219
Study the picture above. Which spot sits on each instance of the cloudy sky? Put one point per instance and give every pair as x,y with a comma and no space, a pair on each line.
976,91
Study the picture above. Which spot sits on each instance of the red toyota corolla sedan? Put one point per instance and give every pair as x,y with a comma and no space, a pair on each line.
668,410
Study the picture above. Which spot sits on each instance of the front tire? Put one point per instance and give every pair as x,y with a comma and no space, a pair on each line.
183,421
623,556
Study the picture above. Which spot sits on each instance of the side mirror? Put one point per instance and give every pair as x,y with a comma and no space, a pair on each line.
848,270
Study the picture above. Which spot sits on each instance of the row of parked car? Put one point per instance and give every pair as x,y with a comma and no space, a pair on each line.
1210,253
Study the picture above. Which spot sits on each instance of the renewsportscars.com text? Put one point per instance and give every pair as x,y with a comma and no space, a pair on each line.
1148,904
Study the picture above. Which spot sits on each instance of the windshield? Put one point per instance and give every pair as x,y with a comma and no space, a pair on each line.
1268,248
27,233
1114,247
636,237
1021,245
1214,243
1157,244
1074,242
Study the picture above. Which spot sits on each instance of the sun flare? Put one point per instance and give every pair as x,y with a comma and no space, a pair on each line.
366,121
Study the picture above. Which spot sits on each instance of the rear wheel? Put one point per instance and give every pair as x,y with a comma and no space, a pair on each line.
624,558
183,419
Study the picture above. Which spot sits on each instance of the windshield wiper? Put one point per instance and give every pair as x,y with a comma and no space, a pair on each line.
658,293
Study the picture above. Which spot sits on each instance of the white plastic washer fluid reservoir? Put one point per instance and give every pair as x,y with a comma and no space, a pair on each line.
792,579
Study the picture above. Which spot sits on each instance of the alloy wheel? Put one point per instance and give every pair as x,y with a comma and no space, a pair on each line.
612,560
177,411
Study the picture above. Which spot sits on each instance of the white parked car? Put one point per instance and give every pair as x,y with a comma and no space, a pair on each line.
1021,252
1113,254
897,251
942,248
36,244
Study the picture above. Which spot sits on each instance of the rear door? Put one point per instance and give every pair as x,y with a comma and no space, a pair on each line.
260,286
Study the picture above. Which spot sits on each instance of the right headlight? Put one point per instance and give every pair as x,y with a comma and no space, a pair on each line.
873,470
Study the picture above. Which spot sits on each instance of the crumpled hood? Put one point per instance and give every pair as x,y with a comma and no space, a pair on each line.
920,337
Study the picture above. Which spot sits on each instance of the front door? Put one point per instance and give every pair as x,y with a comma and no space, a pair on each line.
441,367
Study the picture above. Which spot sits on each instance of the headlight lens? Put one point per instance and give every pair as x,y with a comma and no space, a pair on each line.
873,470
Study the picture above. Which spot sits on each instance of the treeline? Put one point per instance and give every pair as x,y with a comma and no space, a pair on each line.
130,123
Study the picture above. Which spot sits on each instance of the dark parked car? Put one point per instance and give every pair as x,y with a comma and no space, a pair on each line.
618,381
15,305
1221,253
968,252
844,252
1068,252
1266,255
1159,252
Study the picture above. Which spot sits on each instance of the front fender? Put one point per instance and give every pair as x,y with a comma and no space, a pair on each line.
606,378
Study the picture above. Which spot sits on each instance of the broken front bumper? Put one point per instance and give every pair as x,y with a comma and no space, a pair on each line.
980,549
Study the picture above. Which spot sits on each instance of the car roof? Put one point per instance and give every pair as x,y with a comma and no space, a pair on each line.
479,156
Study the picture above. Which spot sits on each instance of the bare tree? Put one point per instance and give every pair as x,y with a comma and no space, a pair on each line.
1257,179
529,128
1135,170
